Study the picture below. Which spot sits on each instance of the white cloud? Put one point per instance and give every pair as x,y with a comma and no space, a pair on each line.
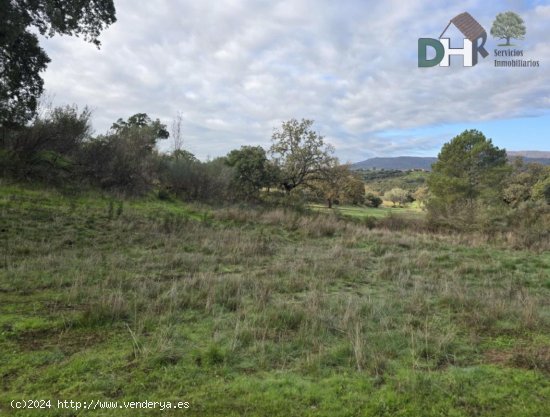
237,69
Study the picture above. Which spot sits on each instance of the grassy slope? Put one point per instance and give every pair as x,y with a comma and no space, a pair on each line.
263,313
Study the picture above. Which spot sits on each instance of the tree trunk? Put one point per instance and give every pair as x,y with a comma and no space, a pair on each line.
329,202
508,41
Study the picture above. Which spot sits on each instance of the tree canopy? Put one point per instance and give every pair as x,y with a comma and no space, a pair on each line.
251,169
469,170
21,57
300,153
397,196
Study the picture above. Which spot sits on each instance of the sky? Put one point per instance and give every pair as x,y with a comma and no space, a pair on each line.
236,69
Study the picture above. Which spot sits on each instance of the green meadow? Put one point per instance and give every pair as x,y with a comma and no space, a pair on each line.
410,210
256,311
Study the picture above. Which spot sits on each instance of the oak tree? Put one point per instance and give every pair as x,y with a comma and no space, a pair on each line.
21,57
300,153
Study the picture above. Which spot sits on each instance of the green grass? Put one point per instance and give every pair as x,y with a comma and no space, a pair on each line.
263,312
379,212
409,181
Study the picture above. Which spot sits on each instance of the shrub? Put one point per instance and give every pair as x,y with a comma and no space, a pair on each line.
125,160
190,179
372,200
46,149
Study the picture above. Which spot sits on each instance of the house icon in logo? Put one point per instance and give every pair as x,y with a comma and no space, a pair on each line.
474,40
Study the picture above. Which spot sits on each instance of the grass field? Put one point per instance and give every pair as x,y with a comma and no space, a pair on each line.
379,212
251,312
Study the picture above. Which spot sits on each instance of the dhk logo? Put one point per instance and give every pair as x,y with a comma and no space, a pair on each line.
474,41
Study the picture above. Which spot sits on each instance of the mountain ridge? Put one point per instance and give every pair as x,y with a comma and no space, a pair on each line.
404,163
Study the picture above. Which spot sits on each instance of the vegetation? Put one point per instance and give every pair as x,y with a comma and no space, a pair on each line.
472,187
300,153
21,57
397,196
337,183
382,181
467,177
253,171
129,274
148,299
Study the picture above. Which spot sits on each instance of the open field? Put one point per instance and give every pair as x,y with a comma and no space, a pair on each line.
378,212
263,312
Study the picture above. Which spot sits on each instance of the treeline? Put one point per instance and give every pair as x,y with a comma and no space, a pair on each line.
57,148
472,186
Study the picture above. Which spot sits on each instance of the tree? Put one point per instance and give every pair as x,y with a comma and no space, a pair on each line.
353,190
520,185
470,172
21,57
541,190
140,124
251,170
397,196
300,153
508,25
338,183
421,195
126,158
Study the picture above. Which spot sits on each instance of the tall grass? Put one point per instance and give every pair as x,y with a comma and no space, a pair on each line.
252,291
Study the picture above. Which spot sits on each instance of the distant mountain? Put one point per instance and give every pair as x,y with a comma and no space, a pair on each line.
405,163
402,163
530,154
541,157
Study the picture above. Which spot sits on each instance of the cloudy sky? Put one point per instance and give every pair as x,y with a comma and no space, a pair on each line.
235,69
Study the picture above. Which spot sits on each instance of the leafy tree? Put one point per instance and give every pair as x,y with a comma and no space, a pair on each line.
155,129
421,194
508,25
353,190
300,153
469,174
397,196
183,154
338,183
520,185
126,159
251,169
21,57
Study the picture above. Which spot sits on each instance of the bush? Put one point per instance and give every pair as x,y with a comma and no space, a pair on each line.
190,179
46,150
372,200
125,160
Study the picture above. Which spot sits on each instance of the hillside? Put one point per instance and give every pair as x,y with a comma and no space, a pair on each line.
135,300
405,163
402,163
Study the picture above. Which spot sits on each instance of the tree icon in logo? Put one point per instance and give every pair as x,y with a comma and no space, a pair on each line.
508,25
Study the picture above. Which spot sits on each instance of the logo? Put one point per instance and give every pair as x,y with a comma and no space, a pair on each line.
508,25
474,41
